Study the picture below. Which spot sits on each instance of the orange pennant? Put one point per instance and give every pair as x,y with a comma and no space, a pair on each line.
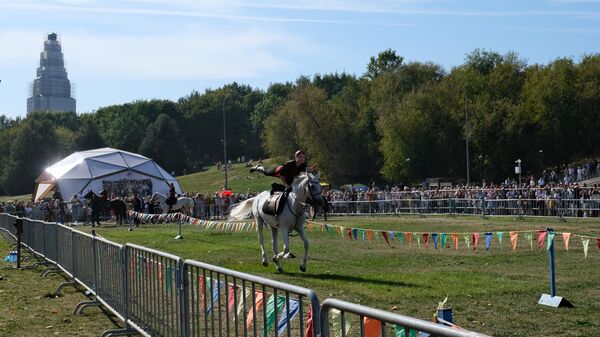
566,237
372,327
258,303
513,239
454,237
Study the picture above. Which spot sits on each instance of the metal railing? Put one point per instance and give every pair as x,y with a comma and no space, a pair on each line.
507,207
380,323
159,294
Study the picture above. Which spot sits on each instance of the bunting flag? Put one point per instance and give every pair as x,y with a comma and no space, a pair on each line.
385,237
454,237
550,240
336,322
443,239
355,233
434,237
258,303
408,237
216,293
400,237
488,240
541,237
363,234
372,327
160,274
598,242
475,237
391,235
349,231
426,239
514,236
168,278
566,237
244,297
271,303
467,239
283,321
339,230
418,239
309,323
369,234
400,331
586,244
231,298
500,235
529,238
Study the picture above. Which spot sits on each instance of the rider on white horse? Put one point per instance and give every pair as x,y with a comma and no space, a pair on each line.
287,171
172,199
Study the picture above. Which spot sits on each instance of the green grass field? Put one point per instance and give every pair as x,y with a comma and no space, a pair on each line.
493,292
239,179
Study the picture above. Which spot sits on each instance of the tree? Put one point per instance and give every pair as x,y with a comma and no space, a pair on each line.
34,144
88,136
162,142
386,61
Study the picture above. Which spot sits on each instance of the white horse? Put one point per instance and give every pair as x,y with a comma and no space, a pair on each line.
305,189
184,205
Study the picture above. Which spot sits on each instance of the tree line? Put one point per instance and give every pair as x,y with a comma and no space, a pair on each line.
399,121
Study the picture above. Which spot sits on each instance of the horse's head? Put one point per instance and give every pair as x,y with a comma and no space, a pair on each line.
89,195
314,191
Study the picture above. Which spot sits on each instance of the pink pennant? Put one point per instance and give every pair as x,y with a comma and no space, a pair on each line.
541,237
566,237
231,298
475,240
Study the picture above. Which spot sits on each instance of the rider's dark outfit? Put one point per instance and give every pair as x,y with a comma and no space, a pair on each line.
287,171
172,199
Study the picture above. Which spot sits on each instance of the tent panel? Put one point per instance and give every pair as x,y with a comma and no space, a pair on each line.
60,168
42,190
165,174
133,160
114,158
149,168
98,168
80,171
68,187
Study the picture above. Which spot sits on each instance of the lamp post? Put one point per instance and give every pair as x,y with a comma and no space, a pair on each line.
225,141
518,169
467,140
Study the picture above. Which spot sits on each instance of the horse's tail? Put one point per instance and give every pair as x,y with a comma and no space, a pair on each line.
242,211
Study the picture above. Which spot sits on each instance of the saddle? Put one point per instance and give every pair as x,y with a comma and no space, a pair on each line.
276,201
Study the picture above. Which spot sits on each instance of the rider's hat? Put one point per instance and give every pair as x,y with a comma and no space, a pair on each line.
299,152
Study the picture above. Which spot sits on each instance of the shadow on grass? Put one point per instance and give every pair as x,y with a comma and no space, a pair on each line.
355,279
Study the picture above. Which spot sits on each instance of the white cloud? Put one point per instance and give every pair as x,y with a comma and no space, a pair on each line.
200,54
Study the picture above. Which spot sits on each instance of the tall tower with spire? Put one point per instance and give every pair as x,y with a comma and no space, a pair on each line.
51,89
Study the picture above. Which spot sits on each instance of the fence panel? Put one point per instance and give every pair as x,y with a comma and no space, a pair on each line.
359,320
84,270
110,271
64,256
154,291
50,241
223,302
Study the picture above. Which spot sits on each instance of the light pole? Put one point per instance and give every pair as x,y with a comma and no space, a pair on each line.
225,141
518,169
467,140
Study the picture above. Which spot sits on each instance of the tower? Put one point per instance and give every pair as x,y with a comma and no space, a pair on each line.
51,89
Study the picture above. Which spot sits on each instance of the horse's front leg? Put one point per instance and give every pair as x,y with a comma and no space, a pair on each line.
274,244
286,243
261,238
302,235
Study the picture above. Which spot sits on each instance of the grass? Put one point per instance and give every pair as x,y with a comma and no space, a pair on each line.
28,307
492,292
239,179
7,198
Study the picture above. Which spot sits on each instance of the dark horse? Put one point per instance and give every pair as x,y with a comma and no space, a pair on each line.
98,205
324,207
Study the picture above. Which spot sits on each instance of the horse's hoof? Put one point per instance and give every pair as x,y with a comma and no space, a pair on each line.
265,263
279,270
275,259
303,269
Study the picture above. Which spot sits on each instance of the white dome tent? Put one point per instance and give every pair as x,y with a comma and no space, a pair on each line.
94,169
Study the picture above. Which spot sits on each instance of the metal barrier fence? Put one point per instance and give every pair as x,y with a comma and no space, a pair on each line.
229,303
159,294
510,207
374,322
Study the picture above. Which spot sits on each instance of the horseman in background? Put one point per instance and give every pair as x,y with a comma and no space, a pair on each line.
286,172
172,199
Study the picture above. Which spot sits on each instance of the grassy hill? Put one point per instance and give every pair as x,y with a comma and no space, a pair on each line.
239,179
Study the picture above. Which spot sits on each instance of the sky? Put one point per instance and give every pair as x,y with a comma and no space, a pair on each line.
121,51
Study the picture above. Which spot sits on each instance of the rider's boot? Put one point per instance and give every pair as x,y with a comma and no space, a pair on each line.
257,168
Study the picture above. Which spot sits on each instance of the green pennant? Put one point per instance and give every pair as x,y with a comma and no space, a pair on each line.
400,237
550,239
363,234
400,331
529,237
271,312
443,238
